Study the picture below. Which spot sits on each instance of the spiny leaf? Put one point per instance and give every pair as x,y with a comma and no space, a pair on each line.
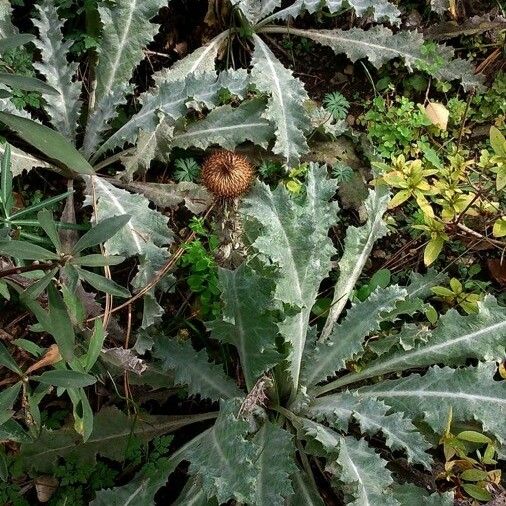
193,368
471,393
381,9
112,431
140,491
152,145
145,235
364,474
228,127
293,234
346,340
126,31
254,10
357,248
275,463
408,494
202,60
219,456
99,117
372,417
285,107
63,108
305,492
379,44
171,98
248,321
455,340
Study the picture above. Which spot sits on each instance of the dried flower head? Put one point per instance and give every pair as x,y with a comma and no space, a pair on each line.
227,174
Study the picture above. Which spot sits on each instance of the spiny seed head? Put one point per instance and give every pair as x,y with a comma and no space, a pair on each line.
227,174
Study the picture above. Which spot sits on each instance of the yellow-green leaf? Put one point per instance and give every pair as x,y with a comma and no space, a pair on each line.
399,198
499,229
432,250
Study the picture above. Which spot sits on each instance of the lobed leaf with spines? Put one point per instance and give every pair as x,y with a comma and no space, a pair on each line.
358,245
248,320
347,338
224,458
275,464
471,393
63,108
144,236
372,417
363,473
193,369
228,127
293,236
285,107
455,340
171,98
380,45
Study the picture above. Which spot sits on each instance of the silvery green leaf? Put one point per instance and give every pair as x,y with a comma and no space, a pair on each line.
64,108
408,494
380,45
21,161
139,491
202,60
440,6
172,99
99,117
275,463
228,127
248,321
382,10
323,121
293,235
454,341
146,235
371,415
305,491
363,473
126,31
320,440
471,393
357,248
6,26
347,339
151,145
224,458
254,10
193,368
285,106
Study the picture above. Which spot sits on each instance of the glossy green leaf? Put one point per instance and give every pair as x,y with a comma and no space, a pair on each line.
26,251
60,323
51,143
7,399
48,224
102,232
6,181
65,378
97,260
95,347
26,83
103,284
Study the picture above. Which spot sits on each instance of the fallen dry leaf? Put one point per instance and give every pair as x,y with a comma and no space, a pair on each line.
438,114
51,356
497,270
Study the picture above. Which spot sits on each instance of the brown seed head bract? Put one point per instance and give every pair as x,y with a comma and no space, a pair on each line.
227,174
